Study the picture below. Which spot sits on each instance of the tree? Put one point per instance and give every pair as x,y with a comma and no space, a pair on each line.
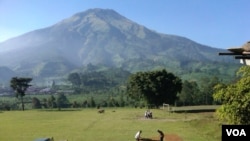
62,101
45,103
235,99
206,88
92,102
75,104
20,85
51,102
53,84
190,94
155,87
36,104
122,101
85,104
75,79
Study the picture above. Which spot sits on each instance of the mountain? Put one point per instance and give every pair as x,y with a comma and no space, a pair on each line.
103,37
6,74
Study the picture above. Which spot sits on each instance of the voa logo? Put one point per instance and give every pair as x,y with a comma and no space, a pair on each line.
236,132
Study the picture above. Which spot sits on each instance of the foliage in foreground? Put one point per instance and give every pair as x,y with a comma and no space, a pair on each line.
235,99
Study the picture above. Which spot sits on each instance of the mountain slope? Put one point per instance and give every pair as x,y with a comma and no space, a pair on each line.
102,37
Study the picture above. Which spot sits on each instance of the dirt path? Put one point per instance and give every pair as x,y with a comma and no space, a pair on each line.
172,137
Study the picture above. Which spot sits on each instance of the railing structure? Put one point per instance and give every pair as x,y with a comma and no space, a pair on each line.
242,53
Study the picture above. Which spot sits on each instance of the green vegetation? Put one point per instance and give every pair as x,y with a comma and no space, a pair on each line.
95,86
115,124
155,87
20,85
93,79
235,99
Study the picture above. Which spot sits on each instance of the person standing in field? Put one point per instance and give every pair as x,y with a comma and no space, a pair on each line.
138,135
161,135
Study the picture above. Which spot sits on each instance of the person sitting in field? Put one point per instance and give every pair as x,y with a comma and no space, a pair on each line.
138,135
148,114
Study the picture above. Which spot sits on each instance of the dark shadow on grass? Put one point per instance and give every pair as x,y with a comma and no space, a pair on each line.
147,139
56,110
195,111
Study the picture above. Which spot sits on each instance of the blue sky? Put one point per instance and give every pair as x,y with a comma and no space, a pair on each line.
216,23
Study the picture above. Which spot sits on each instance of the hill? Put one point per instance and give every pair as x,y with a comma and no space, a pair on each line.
103,37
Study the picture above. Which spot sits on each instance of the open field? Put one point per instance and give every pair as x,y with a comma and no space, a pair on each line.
114,124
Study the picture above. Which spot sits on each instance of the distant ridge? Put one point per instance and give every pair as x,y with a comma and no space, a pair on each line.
103,37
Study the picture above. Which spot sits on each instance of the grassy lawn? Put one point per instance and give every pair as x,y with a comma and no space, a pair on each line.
115,124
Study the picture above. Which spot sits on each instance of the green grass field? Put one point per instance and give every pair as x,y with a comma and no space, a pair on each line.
116,124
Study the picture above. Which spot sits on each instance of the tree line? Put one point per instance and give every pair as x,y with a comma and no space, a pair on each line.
158,87
93,80
62,100
141,88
